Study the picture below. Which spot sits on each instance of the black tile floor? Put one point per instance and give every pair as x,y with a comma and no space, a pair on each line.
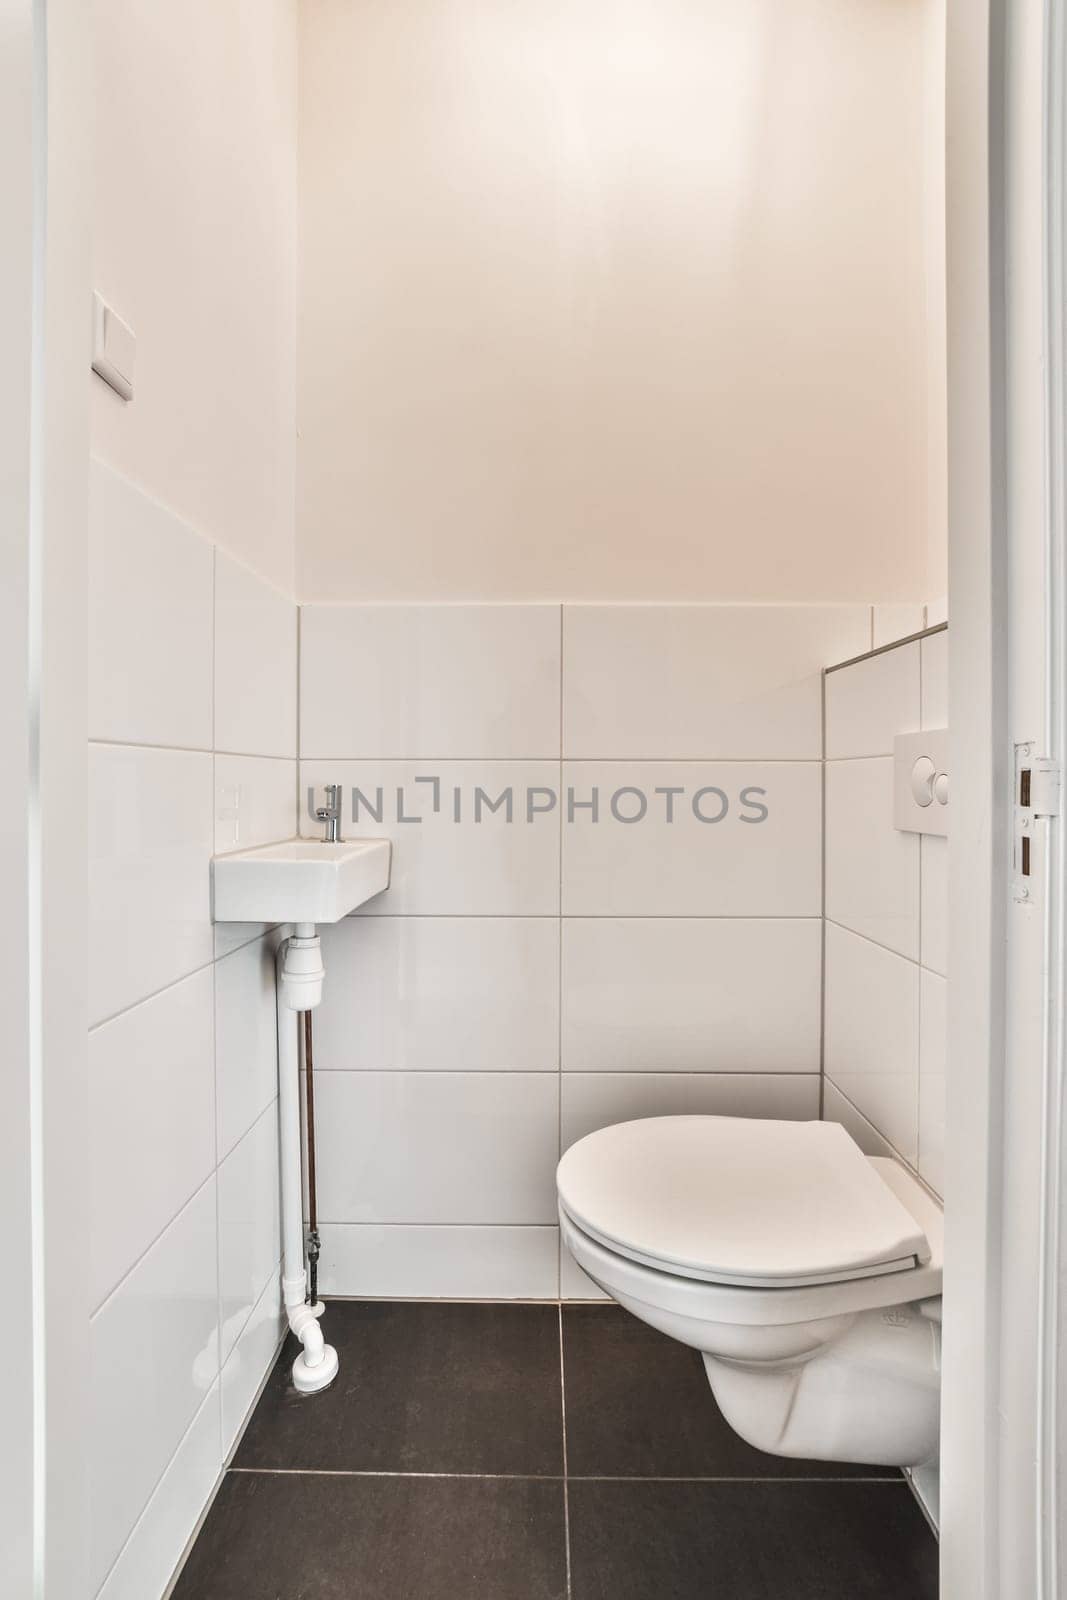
517,1452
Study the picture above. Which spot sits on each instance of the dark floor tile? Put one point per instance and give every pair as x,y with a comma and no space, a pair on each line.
283,1536
749,1541
639,1405
422,1388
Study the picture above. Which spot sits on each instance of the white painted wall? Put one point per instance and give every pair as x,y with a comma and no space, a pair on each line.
194,207
621,302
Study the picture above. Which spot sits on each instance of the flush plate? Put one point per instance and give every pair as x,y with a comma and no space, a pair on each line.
921,782
299,880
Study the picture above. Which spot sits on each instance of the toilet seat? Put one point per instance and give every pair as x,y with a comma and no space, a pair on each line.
807,1275
742,1202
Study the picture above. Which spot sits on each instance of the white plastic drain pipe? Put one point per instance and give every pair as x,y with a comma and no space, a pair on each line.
299,989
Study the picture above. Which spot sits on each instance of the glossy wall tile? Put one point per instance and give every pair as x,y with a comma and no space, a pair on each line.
440,994
686,971
195,751
442,682
701,682
887,911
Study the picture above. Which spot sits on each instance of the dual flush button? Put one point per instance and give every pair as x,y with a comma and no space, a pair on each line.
920,781
927,784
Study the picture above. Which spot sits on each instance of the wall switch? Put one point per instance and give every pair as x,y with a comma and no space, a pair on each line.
920,781
114,348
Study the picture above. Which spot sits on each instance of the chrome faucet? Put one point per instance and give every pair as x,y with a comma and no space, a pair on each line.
330,815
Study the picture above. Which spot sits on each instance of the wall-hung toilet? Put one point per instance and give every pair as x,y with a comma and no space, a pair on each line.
806,1273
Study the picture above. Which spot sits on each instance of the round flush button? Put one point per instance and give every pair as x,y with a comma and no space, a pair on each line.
922,781
941,788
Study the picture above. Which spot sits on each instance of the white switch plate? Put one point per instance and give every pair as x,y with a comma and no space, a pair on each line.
114,348
920,776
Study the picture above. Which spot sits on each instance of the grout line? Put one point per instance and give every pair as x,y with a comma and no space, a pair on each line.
702,760
904,1162
195,972
566,1487
549,1477
186,749
871,755
132,1268
586,916
577,1072
912,961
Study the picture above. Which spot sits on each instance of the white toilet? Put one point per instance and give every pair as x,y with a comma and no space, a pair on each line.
807,1274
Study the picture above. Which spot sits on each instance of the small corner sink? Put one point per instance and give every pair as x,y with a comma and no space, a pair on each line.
299,880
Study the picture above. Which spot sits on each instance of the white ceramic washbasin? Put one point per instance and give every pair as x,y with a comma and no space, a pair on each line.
299,880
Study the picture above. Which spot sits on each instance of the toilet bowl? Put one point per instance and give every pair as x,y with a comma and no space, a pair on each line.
807,1274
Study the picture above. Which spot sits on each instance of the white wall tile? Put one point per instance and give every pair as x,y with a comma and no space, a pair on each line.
872,1034
701,682
488,1263
456,994
255,801
151,1123
430,681
574,1284
250,1360
691,994
150,578
153,1350
897,621
444,868
730,868
869,703
255,663
592,1100
230,936
249,1225
150,836
934,924
837,1108
932,1050
935,681
154,1548
872,868
246,1039
437,1146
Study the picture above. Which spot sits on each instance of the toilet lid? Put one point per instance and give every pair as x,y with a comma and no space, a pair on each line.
739,1200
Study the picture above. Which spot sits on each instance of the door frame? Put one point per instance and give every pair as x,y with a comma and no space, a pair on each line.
45,271
1004,1356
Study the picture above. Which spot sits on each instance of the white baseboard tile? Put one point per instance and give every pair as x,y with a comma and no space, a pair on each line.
448,1262
145,1565
926,1486
250,1360
837,1107
574,1284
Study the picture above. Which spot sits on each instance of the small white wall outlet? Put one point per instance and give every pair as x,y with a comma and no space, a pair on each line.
114,348
920,781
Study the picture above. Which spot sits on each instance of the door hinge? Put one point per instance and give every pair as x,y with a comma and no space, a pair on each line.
1038,783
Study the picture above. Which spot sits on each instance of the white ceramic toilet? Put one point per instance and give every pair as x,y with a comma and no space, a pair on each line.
807,1274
